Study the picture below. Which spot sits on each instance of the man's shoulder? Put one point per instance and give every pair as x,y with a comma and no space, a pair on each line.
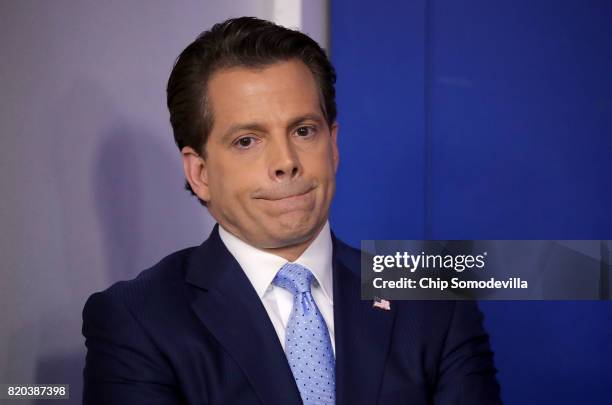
153,287
348,255
163,274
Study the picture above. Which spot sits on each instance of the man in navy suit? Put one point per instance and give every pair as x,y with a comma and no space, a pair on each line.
252,106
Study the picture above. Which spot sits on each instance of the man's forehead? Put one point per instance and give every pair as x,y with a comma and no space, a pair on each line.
279,90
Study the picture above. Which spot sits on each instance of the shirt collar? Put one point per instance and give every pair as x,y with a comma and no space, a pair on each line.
261,267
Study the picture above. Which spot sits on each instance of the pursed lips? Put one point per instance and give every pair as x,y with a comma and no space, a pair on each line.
286,195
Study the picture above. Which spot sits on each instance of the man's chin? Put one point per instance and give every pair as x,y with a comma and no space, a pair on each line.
292,232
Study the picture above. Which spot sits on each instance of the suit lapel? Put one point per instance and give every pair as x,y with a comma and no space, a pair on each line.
225,301
362,336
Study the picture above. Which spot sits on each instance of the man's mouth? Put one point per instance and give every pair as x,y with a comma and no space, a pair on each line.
292,196
285,193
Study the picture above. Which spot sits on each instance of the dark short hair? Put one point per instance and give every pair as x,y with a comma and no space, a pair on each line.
248,42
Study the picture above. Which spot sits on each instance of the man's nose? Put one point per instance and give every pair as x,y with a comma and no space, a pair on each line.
284,160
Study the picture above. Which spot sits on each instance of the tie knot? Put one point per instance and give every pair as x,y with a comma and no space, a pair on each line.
294,277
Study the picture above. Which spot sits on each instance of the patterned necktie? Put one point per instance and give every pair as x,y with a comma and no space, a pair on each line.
307,342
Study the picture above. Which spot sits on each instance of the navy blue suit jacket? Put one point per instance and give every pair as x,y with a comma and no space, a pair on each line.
192,330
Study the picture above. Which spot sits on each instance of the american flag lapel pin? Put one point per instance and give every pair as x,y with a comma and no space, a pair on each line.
381,304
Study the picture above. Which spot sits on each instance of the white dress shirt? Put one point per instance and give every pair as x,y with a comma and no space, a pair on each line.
261,267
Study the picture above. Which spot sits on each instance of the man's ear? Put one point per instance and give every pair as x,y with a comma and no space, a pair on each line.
334,140
196,172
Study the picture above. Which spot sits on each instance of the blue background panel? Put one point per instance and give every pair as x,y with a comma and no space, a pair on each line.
521,122
380,102
510,137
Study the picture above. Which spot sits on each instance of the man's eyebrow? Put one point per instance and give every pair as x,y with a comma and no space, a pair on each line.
249,126
306,117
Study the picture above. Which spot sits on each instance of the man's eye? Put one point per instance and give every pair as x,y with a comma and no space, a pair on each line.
305,131
245,142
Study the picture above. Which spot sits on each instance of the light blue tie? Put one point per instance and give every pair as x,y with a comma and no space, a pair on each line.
307,342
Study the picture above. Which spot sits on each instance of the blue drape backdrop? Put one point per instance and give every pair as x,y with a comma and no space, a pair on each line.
485,120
